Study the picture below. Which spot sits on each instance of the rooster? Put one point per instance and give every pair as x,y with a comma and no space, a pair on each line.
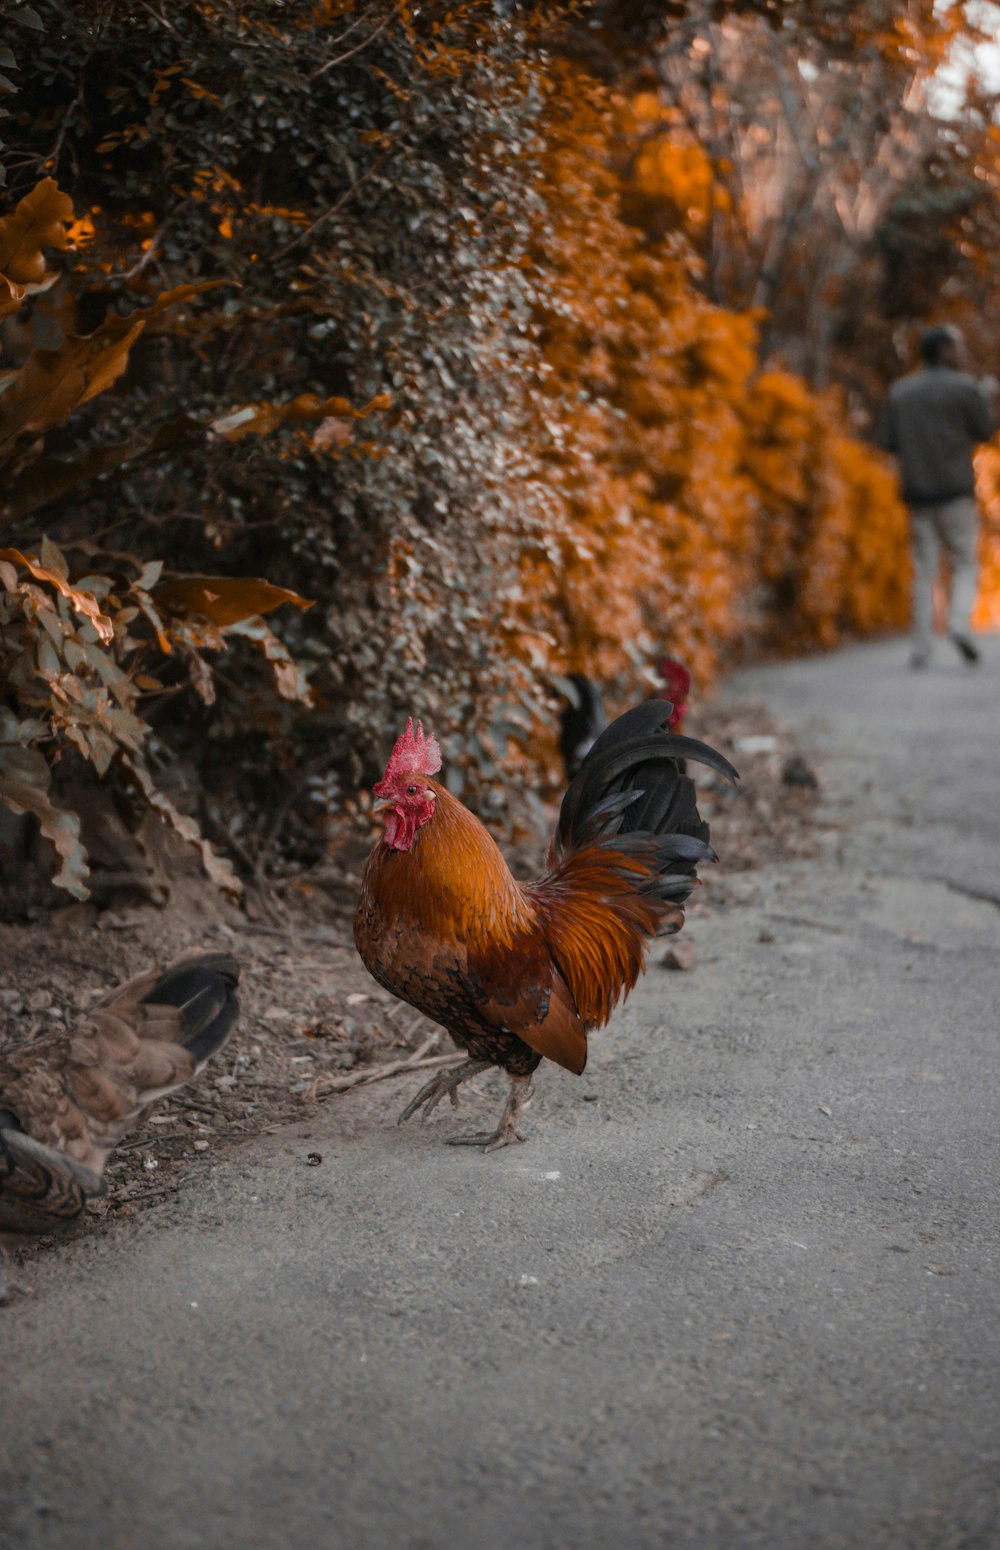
518,972
67,1098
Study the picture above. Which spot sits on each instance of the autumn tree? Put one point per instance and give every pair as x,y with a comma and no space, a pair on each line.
711,507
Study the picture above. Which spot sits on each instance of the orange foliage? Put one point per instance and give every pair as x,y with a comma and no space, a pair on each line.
987,611
832,531
707,505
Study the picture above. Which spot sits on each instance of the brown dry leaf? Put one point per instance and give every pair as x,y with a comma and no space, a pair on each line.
225,600
38,222
52,383
82,602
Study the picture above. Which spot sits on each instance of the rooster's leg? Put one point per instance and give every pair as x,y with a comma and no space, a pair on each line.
506,1132
445,1082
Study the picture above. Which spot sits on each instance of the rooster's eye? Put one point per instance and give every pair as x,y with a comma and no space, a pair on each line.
411,791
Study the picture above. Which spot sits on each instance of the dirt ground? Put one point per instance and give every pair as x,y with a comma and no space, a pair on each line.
314,1025
738,1290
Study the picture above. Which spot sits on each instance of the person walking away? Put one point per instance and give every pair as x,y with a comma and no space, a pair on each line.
935,419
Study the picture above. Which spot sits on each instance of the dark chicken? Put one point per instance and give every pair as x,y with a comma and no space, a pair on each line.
68,1097
520,971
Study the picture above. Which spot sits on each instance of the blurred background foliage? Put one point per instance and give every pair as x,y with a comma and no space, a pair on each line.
517,339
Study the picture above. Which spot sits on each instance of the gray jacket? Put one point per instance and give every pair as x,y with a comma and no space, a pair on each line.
934,420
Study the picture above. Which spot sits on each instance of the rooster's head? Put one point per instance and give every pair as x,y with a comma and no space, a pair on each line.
406,788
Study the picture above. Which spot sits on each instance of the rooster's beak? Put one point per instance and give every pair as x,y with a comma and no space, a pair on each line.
381,802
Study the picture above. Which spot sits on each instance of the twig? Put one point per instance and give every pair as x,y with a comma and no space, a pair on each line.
150,1194
337,205
173,1135
352,51
192,1103
414,1062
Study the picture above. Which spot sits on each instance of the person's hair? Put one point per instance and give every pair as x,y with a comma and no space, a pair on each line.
934,341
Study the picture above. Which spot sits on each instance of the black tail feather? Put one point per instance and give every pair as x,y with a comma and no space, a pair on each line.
205,991
635,759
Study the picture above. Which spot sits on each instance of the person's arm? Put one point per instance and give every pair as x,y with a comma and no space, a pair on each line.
982,412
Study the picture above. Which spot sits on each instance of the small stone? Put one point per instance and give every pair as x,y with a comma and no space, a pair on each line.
38,1000
798,773
765,935
679,955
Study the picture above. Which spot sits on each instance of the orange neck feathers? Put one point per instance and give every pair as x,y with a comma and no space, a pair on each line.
453,878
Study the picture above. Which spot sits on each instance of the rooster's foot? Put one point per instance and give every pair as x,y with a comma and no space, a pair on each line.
432,1092
506,1132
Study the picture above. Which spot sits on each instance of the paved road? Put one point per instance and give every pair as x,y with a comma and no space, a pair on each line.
739,1289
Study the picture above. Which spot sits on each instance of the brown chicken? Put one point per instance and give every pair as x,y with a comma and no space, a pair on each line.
68,1097
520,971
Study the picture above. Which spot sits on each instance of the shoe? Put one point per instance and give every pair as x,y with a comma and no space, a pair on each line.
968,648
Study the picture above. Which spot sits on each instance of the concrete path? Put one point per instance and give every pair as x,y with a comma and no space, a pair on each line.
739,1290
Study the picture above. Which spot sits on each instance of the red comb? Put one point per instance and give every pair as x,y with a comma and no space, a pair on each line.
414,754
675,676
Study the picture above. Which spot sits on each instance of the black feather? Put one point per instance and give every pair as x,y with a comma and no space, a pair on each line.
204,989
636,756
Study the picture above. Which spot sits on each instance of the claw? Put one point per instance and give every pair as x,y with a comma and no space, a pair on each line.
506,1132
490,1141
442,1082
